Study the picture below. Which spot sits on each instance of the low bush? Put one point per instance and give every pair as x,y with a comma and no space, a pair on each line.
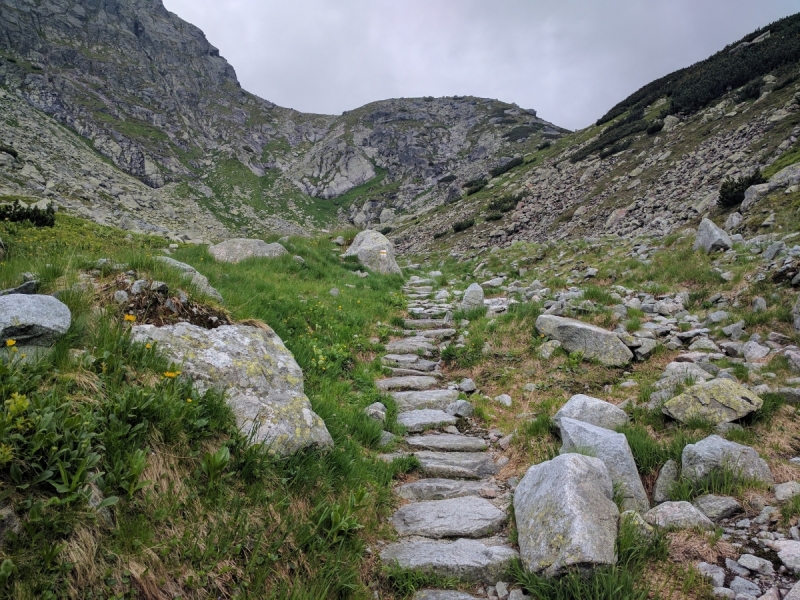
731,193
17,212
655,127
499,170
493,216
463,225
504,203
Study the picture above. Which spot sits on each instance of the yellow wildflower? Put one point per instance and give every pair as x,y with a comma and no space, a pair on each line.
130,318
171,374
148,346
10,343
189,400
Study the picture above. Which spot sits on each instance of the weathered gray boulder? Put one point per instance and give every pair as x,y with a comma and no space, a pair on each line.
374,251
677,515
595,342
263,383
717,507
199,281
796,314
711,238
666,478
717,401
33,319
565,515
473,297
442,594
612,448
714,453
239,249
592,410
466,516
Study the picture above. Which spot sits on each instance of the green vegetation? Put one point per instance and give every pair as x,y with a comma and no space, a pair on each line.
723,482
731,192
38,217
463,225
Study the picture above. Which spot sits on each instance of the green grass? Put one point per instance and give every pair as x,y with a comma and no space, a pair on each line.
651,454
405,582
723,481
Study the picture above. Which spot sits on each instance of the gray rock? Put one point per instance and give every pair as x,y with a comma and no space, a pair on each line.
547,349
376,411
796,314
200,282
645,349
28,287
713,573
753,351
756,564
759,304
711,238
713,453
262,382
666,479
473,297
722,592
744,586
238,249
441,489
504,399
434,399
465,516
139,286
411,345
460,408
467,560
773,250
611,448
717,507
789,554
9,523
467,386
592,410
387,438
565,515
420,420
411,382
121,297
790,395
463,465
442,595
787,491
447,442
594,342
374,251
716,401
735,330
32,319
677,515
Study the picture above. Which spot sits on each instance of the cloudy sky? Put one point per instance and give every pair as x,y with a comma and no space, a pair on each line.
571,60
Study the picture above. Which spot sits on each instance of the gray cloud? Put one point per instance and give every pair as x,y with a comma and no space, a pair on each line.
571,60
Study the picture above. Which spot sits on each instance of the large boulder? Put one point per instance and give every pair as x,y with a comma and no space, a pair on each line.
198,280
715,453
711,238
717,401
263,383
796,314
239,249
473,297
565,515
612,448
678,515
595,342
592,410
374,251
33,319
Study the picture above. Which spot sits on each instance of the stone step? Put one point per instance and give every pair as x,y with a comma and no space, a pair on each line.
432,313
435,334
436,399
461,465
409,361
418,289
415,373
464,559
444,489
412,345
417,296
406,383
447,442
426,323
420,420
442,595
467,516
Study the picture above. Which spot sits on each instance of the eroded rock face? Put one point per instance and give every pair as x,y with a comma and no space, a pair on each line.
565,515
238,249
374,251
595,342
592,410
717,401
263,383
33,319
713,453
711,238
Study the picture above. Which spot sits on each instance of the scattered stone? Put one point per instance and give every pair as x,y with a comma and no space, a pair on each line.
711,238
740,585
756,564
594,342
786,491
33,319
504,399
547,349
677,515
565,515
753,351
717,401
759,304
465,516
460,408
717,507
28,287
789,554
374,251
238,249
734,331
473,297
714,453
467,386
713,573
376,411
200,282
666,478
121,297
592,410
442,595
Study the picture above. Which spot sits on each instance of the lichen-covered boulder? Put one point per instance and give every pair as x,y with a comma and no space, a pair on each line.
565,515
238,249
715,453
197,279
711,238
592,410
263,383
717,401
677,515
33,319
594,342
473,297
374,251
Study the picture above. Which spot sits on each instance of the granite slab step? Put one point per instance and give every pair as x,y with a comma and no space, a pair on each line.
434,334
442,595
467,516
409,361
464,559
406,383
444,489
412,345
461,465
447,442
415,373
435,399
420,420
426,323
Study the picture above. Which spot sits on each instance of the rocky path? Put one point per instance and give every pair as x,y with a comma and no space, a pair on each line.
453,521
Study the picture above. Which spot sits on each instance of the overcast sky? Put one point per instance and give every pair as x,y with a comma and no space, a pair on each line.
571,60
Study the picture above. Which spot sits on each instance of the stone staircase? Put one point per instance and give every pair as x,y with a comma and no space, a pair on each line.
454,518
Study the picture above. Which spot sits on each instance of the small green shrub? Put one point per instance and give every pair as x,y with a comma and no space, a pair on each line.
514,162
463,225
493,216
655,127
447,179
504,203
751,91
723,481
16,212
731,193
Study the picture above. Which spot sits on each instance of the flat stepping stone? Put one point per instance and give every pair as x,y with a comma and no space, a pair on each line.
467,516
462,465
467,560
415,373
420,420
448,442
408,361
442,489
436,399
406,383
437,334
425,323
411,345
442,595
